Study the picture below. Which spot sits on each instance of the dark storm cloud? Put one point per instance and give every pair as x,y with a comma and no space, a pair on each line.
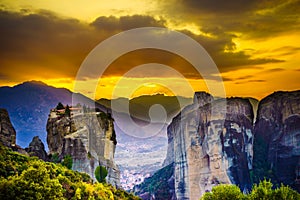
230,60
286,50
235,7
41,43
254,18
45,45
127,22
227,79
218,5
250,81
274,70
244,79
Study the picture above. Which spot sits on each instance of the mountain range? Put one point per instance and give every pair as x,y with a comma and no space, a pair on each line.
29,104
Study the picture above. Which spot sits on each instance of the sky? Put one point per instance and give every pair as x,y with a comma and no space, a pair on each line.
255,44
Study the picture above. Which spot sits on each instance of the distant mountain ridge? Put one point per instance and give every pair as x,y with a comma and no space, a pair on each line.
28,105
139,106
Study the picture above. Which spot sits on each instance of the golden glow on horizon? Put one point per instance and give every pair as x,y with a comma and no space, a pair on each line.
83,10
150,89
107,86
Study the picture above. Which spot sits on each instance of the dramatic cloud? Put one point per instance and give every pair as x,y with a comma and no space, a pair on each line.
236,19
126,22
45,45
42,44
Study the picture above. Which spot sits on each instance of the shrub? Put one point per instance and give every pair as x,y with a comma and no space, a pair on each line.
100,174
262,191
67,161
224,192
23,177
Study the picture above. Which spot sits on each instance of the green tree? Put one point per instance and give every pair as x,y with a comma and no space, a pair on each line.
100,174
23,177
224,192
34,183
67,111
60,106
67,161
286,193
55,158
262,191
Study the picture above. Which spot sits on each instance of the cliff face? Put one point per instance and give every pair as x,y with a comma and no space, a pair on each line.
277,138
200,99
212,143
7,131
89,138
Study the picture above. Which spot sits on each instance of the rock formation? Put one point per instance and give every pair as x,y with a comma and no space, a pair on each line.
37,148
89,138
277,138
7,131
211,143
200,99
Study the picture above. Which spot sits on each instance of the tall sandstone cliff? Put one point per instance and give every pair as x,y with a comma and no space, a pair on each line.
277,139
233,141
211,143
89,138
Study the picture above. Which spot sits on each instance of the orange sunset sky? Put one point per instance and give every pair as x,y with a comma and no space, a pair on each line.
254,43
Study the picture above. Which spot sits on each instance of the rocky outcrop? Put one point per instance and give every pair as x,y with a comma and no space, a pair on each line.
211,142
7,131
277,138
37,148
89,138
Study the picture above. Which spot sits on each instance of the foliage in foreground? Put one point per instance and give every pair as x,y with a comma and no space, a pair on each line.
263,191
23,177
100,174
